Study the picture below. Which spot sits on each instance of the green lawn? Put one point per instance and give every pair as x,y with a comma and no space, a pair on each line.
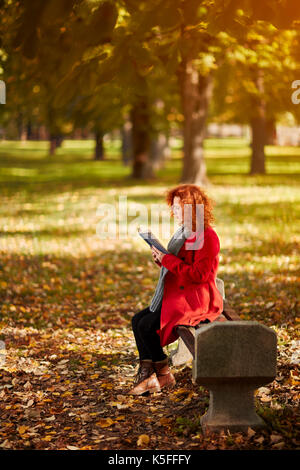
27,166
56,275
49,208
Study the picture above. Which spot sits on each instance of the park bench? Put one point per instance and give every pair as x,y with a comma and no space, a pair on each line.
232,358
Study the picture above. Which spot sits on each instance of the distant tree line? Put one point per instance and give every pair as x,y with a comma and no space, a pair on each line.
147,68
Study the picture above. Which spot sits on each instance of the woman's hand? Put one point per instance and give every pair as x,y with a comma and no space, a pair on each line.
157,255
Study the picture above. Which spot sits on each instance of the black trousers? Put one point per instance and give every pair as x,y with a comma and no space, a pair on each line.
144,326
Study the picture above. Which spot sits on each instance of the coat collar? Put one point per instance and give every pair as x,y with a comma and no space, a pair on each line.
197,239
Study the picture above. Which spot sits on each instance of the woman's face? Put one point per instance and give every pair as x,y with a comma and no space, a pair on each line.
177,210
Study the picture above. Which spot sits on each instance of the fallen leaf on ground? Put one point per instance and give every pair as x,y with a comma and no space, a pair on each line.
143,440
105,422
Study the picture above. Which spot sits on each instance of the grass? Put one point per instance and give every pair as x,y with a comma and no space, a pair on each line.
58,278
26,166
49,208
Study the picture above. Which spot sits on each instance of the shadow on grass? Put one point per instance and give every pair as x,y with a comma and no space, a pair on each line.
55,232
73,169
258,212
273,247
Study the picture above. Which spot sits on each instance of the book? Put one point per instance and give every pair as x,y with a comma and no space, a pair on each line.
151,239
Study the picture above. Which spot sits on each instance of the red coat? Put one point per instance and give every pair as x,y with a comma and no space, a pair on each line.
190,291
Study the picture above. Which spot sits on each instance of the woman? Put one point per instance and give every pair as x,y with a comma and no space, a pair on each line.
186,293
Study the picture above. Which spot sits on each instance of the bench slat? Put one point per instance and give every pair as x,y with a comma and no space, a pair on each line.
187,337
186,332
229,313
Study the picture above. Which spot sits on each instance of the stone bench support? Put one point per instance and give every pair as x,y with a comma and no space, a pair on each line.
232,359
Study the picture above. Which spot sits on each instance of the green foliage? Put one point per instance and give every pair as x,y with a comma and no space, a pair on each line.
266,51
283,15
232,14
186,426
62,54
100,28
276,420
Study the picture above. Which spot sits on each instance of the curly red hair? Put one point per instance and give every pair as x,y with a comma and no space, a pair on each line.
193,194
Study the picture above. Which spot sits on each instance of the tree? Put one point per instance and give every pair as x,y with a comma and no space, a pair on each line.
253,85
50,37
172,33
128,38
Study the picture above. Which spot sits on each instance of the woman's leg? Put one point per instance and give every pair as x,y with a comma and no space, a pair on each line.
144,325
153,373
143,351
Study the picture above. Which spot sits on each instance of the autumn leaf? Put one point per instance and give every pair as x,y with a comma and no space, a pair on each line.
105,422
266,398
143,440
165,421
278,445
51,418
22,429
275,438
108,386
295,377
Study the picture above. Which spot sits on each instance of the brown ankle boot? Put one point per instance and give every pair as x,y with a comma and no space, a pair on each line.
164,375
145,380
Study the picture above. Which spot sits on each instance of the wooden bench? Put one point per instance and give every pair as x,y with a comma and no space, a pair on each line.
186,346
187,334
231,357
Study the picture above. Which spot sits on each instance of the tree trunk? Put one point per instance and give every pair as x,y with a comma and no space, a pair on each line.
126,133
53,144
196,92
142,166
271,131
43,133
99,149
259,128
29,132
59,141
22,134
159,150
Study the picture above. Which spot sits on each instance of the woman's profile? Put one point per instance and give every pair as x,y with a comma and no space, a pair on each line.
186,293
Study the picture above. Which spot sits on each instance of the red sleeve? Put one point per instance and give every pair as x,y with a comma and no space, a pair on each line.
200,269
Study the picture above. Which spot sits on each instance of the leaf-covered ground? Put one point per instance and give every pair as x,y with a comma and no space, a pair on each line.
64,389
67,298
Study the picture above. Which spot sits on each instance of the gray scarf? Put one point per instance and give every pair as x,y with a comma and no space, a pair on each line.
173,247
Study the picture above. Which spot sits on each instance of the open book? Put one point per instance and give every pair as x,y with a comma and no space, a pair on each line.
151,239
